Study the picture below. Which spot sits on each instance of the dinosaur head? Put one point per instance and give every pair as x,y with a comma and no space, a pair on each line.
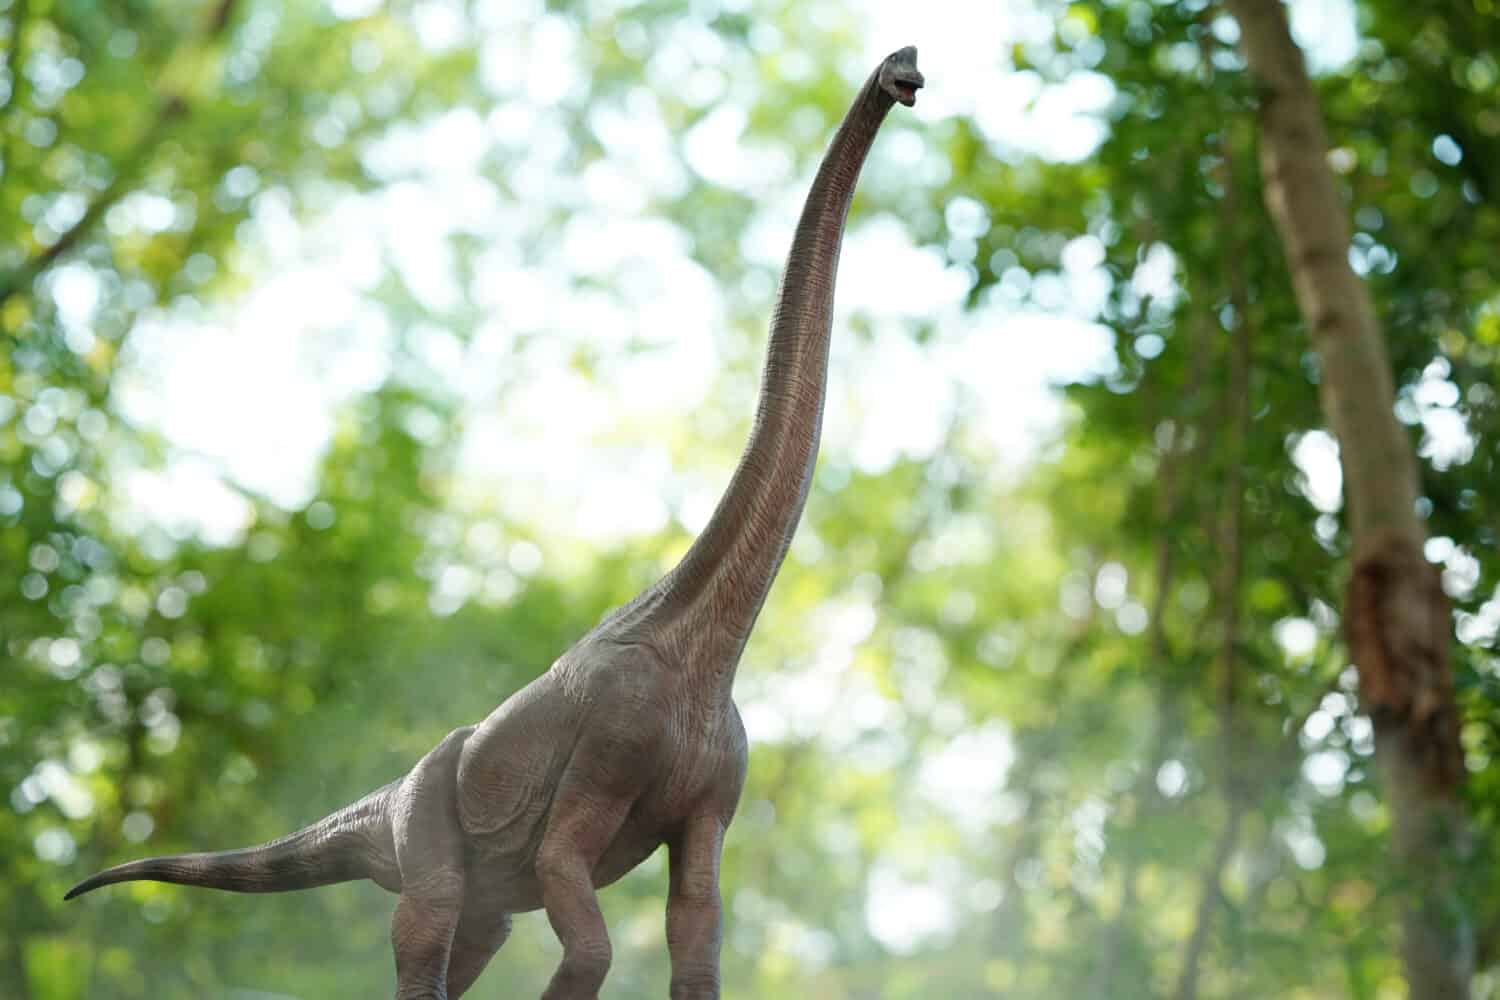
900,77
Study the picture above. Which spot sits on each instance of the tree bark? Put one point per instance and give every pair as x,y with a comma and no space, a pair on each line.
1396,617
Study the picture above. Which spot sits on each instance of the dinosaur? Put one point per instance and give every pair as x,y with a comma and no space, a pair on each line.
631,739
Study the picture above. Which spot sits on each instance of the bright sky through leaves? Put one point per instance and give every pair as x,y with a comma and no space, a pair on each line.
303,330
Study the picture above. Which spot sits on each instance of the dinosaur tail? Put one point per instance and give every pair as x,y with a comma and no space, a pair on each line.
353,843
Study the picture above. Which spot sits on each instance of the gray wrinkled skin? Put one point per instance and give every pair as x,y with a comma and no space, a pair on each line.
631,739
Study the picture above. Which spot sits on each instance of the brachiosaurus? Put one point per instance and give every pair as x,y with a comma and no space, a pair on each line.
631,739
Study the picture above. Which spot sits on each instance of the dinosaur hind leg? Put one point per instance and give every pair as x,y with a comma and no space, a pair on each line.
430,853
482,929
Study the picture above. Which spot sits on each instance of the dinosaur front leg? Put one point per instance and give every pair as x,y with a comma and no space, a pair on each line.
583,823
694,918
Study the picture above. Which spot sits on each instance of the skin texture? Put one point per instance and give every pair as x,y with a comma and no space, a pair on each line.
631,740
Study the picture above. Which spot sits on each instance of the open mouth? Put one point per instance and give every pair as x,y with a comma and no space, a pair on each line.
906,90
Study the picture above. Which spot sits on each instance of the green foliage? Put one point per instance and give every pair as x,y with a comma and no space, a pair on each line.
1005,723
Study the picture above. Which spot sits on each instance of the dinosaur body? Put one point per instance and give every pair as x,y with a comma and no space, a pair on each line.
631,740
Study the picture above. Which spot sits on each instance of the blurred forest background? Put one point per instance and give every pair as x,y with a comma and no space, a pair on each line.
359,355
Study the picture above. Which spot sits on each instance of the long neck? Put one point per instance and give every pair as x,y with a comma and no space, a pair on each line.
728,571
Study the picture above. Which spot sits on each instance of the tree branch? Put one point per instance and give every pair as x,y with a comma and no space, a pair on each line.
1210,895
170,110
19,14
1231,532
1488,949
25,275
1158,645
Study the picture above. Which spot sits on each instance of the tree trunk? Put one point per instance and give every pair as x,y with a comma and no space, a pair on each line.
1396,617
